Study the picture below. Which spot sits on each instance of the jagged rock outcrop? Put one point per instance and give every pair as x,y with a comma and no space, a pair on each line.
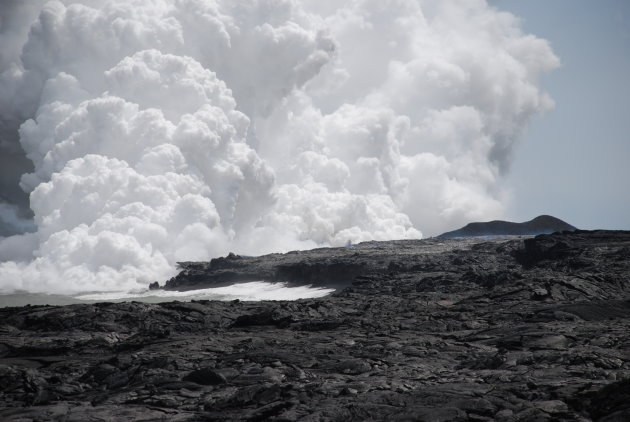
543,224
521,329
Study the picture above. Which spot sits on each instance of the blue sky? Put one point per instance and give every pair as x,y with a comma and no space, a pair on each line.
574,162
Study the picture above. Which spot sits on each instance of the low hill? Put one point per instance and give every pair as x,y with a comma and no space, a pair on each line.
543,224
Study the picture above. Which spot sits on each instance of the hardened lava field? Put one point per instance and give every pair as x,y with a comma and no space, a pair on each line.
506,329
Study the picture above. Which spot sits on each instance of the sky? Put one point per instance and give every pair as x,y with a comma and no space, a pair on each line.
574,162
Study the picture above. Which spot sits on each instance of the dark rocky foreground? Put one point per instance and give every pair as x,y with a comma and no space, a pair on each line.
534,329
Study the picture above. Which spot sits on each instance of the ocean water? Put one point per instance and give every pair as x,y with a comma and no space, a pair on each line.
251,291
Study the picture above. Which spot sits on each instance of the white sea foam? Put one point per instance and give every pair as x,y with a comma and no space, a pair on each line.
254,290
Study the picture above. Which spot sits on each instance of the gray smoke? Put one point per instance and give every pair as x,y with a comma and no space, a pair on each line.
157,131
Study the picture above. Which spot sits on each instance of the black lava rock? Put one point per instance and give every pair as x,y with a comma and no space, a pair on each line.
471,329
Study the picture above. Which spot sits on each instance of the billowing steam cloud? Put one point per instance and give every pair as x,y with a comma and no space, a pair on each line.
159,131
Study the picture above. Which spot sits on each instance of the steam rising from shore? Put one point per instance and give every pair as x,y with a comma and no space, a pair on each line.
161,131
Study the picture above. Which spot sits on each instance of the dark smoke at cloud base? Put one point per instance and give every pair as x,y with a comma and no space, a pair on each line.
161,131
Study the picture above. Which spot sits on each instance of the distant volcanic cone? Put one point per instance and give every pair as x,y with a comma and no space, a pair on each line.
542,224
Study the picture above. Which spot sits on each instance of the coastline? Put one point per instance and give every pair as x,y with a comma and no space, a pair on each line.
509,330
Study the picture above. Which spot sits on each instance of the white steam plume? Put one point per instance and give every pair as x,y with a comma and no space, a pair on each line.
161,131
